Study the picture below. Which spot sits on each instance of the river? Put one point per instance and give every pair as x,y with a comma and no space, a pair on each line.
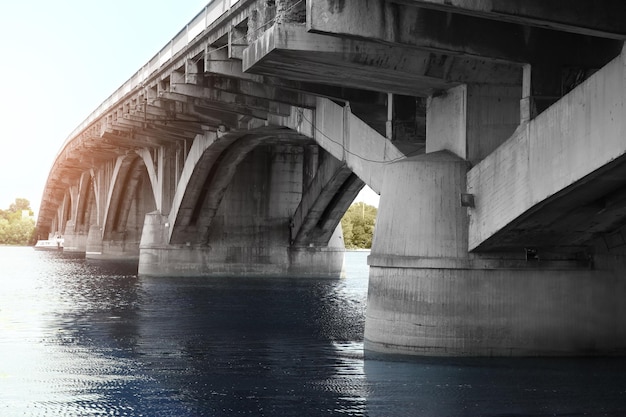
81,338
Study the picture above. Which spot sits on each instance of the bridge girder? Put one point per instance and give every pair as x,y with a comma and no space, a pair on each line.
456,31
289,51
600,19
238,103
258,90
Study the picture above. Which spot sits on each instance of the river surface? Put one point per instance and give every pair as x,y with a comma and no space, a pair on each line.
79,338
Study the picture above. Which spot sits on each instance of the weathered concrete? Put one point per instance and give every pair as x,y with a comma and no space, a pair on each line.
93,247
574,148
500,312
237,148
429,296
245,259
250,231
73,240
458,35
598,19
472,120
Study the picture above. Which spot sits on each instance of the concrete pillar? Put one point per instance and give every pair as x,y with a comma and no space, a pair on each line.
93,247
121,246
153,247
73,240
428,296
158,258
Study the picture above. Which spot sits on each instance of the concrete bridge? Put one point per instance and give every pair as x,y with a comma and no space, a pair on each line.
494,131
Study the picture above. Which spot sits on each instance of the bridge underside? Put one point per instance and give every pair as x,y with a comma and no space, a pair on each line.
493,132
574,220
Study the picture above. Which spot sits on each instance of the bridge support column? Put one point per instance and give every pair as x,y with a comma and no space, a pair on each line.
73,240
158,258
429,296
94,245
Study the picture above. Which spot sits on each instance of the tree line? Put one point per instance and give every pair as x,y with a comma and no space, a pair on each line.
358,226
17,225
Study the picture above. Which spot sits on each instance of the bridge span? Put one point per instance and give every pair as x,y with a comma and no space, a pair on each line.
494,131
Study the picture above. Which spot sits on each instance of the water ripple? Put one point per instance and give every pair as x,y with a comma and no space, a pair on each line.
79,338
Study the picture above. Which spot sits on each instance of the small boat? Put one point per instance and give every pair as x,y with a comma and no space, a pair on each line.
50,244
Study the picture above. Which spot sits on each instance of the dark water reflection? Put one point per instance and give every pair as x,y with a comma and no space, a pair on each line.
81,338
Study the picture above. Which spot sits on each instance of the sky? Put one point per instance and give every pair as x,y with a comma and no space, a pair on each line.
60,61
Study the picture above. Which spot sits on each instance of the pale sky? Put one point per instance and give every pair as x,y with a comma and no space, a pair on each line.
60,60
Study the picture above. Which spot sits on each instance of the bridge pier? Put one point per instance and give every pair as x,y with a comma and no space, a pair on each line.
429,296
74,241
245,226
118,246
244,257
94,247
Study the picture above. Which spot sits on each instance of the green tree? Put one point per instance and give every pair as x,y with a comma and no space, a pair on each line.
19,205
4,230
15,229
358,226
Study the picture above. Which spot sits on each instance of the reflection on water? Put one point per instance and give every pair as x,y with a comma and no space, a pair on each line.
80,338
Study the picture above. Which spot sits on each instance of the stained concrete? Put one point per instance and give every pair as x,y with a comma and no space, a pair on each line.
429,296
206,154
556,182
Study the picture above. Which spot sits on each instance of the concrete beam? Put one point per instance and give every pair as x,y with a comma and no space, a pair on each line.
457,34
288,51
237,41
329,184
349,139
603,19
326,212
232,69
559,179
212,119
256,90
172,118
217,61
126,140
215,96
183,128
155,111
217,107
150,130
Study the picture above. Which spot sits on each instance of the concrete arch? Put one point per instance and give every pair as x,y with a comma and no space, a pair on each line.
236,206
324,204
324,201
64,213
130,190
84,214
213,171
85,203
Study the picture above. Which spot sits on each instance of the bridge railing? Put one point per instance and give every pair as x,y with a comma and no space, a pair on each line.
207,16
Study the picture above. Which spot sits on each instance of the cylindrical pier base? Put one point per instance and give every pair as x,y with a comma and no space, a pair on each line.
480,312
429,296
158,258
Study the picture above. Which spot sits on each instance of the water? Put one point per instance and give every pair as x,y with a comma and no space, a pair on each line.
92,339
